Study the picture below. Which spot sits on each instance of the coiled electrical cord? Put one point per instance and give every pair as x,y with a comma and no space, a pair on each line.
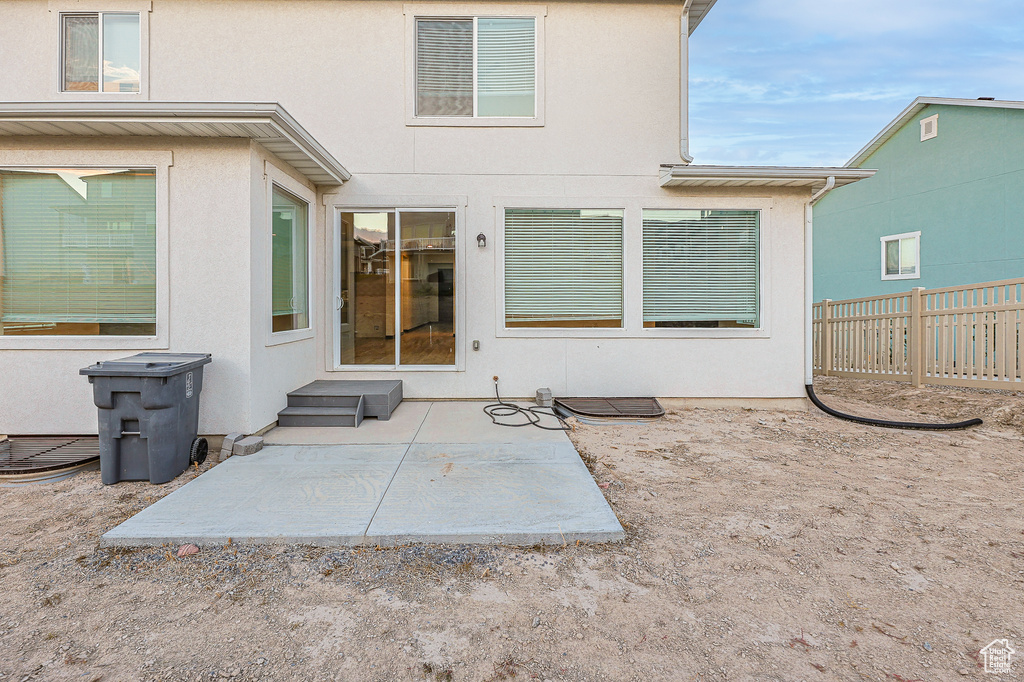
888,424
503,410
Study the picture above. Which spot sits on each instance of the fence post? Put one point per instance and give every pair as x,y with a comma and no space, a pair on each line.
916,337
826,337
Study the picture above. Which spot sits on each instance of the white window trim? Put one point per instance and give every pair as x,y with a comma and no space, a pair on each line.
368,204
762,280
632,267
58,8
934,120
917,254
159,160
277,177
472,11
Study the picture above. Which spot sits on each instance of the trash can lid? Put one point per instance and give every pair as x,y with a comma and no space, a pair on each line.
147,365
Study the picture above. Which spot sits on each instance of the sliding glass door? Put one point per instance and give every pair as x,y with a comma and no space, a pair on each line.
395,296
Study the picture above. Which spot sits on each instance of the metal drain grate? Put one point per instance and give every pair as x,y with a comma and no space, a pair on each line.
613,408
37,454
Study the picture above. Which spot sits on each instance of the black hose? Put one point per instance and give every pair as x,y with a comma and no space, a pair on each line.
503,410
888,424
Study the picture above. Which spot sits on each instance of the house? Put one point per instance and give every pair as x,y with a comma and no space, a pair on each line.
943,210
433,192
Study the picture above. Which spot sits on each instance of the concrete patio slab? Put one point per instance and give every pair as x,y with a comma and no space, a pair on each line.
319,494
474,494
485,484
465,422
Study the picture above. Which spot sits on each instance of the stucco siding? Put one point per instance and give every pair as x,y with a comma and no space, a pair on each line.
208,204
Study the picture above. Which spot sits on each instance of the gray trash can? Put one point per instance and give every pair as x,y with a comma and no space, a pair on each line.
148,415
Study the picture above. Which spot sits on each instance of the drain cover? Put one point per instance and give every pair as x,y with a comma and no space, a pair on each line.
613,408
23,457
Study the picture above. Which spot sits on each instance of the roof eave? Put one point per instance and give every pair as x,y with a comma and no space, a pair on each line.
814,178
161,116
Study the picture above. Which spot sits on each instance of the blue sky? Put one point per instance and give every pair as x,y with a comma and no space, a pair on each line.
810,82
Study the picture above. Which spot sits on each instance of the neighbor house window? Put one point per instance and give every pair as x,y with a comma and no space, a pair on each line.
701,268
563,268
901,256
78,251
290,261
100,52
476,67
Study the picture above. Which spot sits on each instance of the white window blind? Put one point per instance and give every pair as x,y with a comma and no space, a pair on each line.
444,67
700,268
78,251
481,67
506,72
563,268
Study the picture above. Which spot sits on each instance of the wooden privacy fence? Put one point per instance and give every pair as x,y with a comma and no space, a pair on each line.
954,336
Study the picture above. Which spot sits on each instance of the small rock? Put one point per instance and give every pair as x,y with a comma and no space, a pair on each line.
187,550
927,646
964,672
536,622
579,635
894,566
263,661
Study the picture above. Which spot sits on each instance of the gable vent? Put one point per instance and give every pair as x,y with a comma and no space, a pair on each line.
929,127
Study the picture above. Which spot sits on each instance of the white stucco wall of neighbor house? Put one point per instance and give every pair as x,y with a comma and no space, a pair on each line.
203,198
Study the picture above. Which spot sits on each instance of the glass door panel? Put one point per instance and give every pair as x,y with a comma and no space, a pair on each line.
427,315
367,289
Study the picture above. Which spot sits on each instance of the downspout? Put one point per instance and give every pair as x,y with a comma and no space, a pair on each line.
684,84
830,184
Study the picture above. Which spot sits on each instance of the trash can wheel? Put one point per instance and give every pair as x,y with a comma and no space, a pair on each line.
197,453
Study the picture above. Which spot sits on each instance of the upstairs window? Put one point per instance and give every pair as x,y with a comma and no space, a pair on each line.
101,52
901,256
476,67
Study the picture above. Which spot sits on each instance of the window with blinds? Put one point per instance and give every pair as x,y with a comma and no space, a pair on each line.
78,251
563,268
701,268
482,67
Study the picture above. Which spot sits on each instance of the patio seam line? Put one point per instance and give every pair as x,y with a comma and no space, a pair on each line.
395,472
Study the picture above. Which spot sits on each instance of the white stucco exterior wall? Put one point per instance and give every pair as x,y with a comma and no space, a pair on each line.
207,219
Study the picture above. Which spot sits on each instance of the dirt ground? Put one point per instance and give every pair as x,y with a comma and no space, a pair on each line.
761,545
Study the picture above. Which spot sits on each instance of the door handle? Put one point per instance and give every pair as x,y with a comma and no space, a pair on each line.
339,302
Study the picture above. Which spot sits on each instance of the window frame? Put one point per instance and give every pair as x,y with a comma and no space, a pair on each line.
917,254
632,269
289,185
336,205
158,161
414,12
761,276
61,8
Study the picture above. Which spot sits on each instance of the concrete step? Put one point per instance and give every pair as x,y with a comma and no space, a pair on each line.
380,397
321,400
301,415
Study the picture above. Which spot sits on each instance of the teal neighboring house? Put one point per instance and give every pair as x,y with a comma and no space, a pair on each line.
946,207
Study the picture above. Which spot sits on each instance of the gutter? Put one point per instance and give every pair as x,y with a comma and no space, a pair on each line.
684,84
830,184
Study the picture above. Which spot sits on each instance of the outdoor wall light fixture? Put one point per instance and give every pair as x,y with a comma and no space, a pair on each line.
481,240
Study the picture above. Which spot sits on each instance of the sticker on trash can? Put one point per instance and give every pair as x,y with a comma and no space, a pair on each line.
188,385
